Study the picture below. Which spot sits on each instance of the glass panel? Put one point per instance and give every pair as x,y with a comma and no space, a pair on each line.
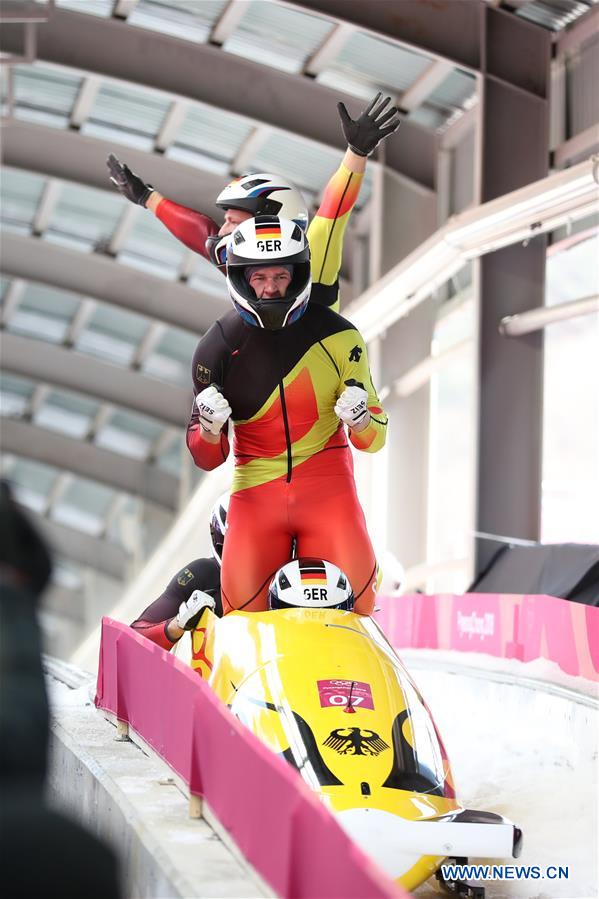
215,134
20,194
206,277
347,84
570,486
127,112
191,20
278,36
44,95
307,165
15,394
113,334
4,285
85,217
32,483
171,460
383,64
67,574
130,434
67,413
454,91
151,248
428,117
83,505
171,358
101,8
44,313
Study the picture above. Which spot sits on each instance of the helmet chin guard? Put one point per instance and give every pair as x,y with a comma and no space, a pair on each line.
263,242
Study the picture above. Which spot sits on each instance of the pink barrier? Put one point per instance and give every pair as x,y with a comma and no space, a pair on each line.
281,827
507,626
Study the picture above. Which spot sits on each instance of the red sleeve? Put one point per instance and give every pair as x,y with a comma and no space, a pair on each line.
206,455
154,632
190,227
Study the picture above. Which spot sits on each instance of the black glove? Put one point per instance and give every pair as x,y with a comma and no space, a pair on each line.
371,127
127,182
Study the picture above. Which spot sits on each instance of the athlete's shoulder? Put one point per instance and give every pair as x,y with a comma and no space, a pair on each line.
326,320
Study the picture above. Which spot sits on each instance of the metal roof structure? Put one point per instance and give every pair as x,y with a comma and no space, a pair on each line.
101,307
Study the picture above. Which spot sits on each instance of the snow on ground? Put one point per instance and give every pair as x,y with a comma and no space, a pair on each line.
525,753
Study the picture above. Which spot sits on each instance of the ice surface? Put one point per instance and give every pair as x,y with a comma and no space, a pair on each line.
525,753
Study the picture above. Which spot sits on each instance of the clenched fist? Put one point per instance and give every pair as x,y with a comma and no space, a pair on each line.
213,408
352,407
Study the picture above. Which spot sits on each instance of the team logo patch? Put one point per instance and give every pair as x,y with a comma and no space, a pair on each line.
184,577
355,741
355,353
203,374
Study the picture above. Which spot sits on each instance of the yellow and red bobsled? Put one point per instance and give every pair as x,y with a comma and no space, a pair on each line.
324,689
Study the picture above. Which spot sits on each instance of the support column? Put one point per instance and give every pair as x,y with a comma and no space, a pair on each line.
514,151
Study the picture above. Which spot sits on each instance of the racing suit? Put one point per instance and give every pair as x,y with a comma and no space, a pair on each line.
325,231
201,574
293,465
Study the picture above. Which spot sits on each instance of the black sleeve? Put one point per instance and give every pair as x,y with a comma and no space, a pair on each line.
201,574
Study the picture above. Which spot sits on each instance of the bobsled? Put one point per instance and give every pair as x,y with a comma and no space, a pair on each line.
325,690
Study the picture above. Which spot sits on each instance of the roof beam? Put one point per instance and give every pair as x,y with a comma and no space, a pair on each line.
92,552
228,21
204,72
50,364
570,39
249,149
85,100
122,9
449,31
123,229
12,298
425,85
171,125
148,343
62,482
329,49
80,321
46,206
72,156
103,278
89,461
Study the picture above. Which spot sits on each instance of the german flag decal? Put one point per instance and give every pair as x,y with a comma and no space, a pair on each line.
268,230
312,573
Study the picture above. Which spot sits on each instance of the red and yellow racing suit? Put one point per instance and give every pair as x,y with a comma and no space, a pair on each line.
293,466
325,232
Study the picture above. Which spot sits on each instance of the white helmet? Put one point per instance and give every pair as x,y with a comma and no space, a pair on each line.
265,194
269,241
310,584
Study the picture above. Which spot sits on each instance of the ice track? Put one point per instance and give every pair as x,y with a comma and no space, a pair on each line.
525,748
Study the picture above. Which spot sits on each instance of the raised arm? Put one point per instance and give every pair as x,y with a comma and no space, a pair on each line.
192,228
327,228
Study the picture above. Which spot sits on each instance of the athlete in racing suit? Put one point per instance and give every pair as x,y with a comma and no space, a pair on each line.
180,605
286,383
327,228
